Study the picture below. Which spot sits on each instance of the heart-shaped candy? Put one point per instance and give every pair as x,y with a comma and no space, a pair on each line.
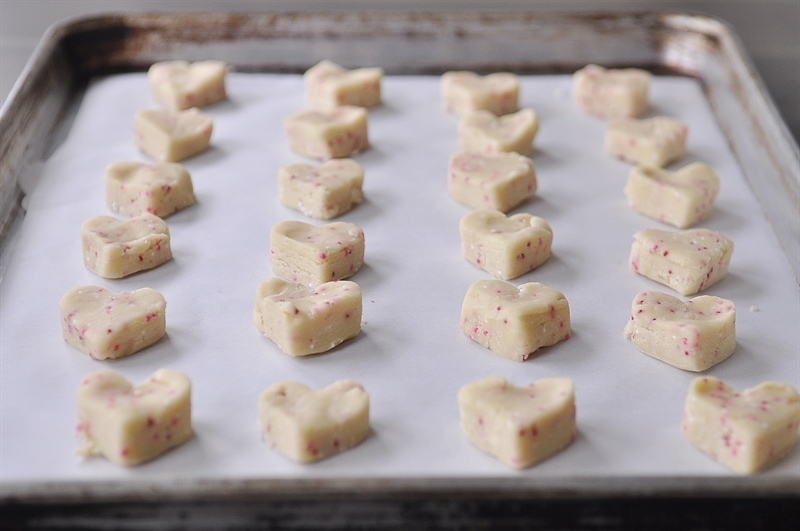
322,192
104,324
179,85
328,86
115,248
682,199
161,188
514,322
692,335
132,424
172,136
466,92
330,134
302,320
651,142
506,247
483,132
746,431
498,182
312,254
520,426
687,261
307,425
611,93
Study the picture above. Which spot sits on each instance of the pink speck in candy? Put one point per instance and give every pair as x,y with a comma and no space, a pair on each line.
323,256
174,421
125,452
151,422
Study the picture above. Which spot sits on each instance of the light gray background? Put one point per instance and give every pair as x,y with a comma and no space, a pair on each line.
769,29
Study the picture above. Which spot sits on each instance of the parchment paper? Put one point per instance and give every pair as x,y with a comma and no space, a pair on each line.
411,356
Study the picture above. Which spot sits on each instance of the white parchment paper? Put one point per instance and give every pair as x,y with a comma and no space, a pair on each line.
411,356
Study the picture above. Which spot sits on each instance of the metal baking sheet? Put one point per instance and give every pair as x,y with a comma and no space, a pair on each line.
84,67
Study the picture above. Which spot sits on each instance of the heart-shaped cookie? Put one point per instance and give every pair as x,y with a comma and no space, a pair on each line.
466,92
746,431
104,324
330,134
303,320
683,198
132,424
692,335
506,247
321,192
497,182
611,93
115,248
483,132
307,425
514,322
161,188
179,85
328,86
520,426
313,254
172,136
687,261
651,142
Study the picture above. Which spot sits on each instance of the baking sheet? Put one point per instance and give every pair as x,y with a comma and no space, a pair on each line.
411,356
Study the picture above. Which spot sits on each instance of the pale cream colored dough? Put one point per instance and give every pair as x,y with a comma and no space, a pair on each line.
303,320
129,424
322,192
328,86
514,322
682,199
160,188
311,254
330,134
172,136
747,431
484,132
693,335
498,182
115,248
520,426
307,425
180,85
506,247
687,261
611,93
465,92
107,325
650,142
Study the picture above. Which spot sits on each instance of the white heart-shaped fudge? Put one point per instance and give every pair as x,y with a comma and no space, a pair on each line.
330,134
497,182
328,86
611,93
303,320
683,198
132,424
747,431
135,188
692,335
687,261
322,192
514,322
179,85
307,425
466,92
107,325
484,132
506,247
650,142
172,136
520,426
115,248
312,255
